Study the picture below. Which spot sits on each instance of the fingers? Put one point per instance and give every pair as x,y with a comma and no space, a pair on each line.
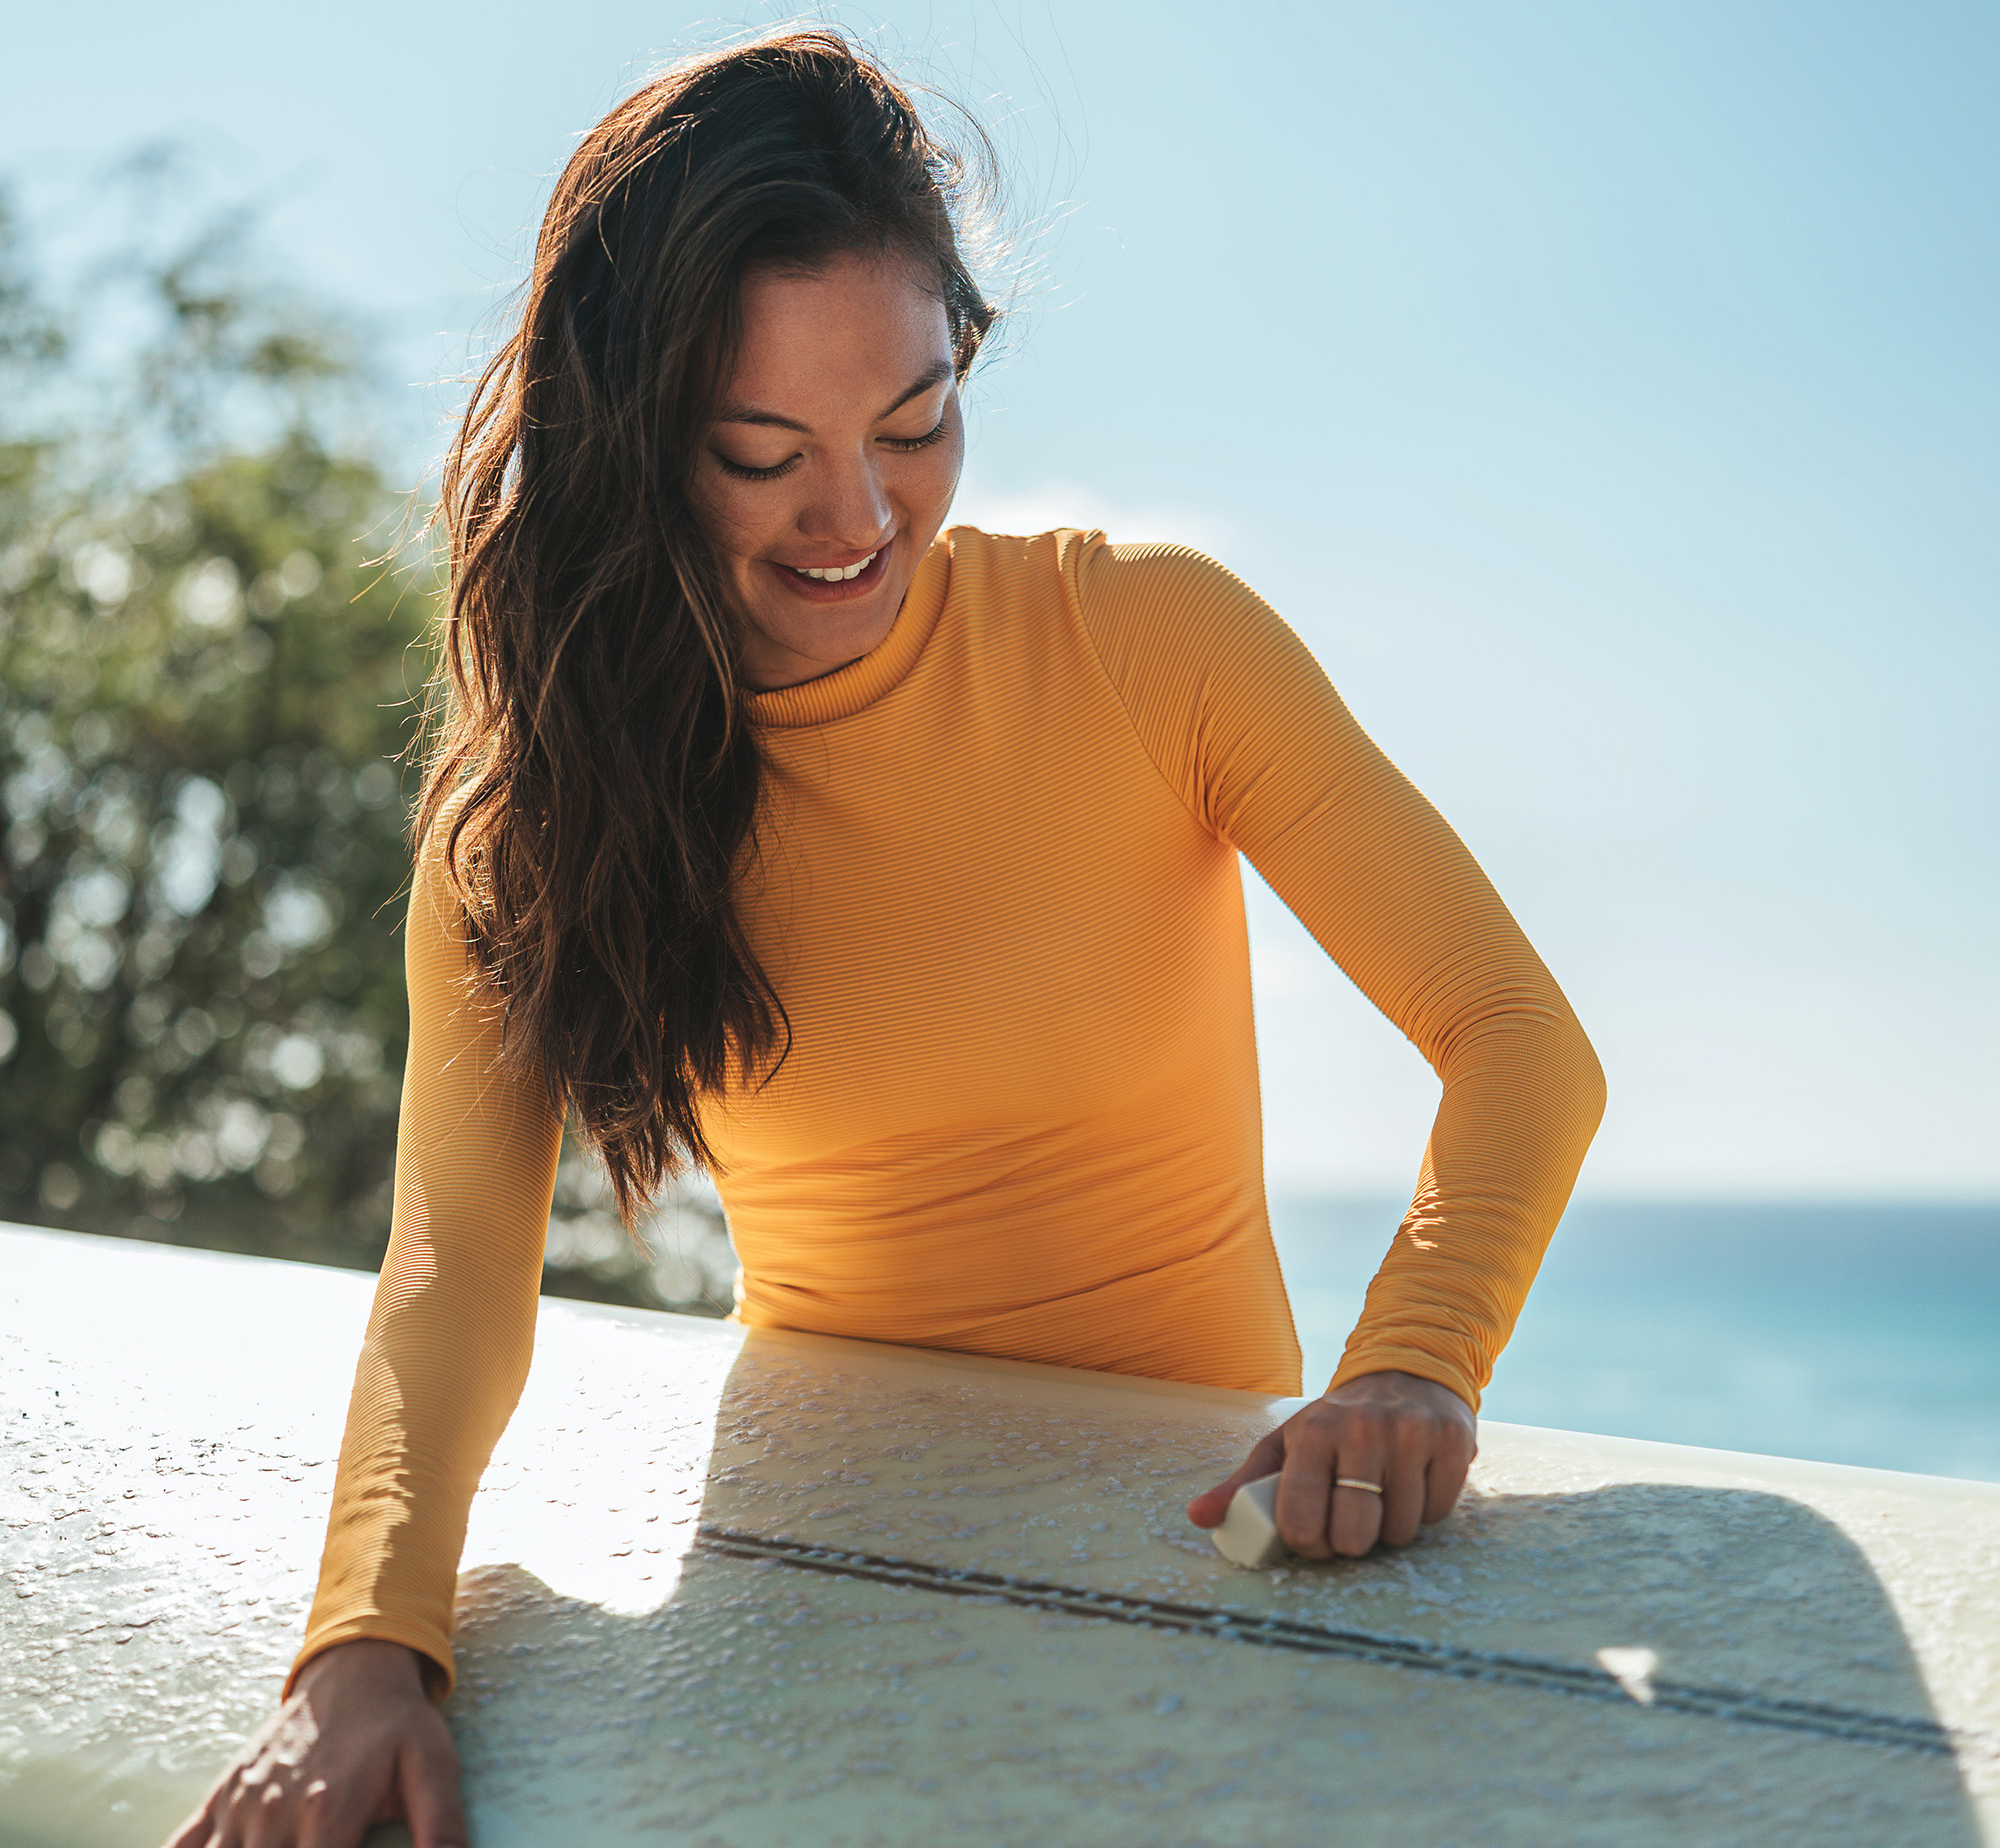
1265,1458
1403,1497
1446,1479
321,1817
317,1813
197,1831
1401,1443
270,1818
357,1743
431,1802
240,1820
1357,1517
1305,1490
1317,1517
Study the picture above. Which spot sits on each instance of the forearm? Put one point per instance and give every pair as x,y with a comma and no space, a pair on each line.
453,1327
446,1355
1523,1094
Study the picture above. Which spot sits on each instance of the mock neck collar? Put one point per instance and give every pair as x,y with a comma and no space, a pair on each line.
848,690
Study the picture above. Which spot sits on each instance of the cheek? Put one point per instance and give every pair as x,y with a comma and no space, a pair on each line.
734,520
935,476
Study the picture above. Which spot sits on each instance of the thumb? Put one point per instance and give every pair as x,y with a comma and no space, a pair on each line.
197,1830
1265,1458
431,1804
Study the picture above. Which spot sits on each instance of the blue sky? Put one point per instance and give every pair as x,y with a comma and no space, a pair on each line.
1606,392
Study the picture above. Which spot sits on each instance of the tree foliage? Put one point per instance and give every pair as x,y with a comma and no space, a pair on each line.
209,678
206,686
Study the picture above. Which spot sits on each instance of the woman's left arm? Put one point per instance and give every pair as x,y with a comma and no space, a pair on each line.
1240,716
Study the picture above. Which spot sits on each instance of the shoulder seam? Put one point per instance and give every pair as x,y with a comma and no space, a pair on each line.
1067,560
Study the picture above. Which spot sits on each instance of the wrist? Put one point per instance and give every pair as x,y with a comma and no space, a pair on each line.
1397,1382
1392,1390
376,1663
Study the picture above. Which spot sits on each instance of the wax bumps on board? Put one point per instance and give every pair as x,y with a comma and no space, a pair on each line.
736,1588
1248,1535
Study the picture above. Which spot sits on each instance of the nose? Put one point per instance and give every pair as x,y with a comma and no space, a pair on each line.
849,507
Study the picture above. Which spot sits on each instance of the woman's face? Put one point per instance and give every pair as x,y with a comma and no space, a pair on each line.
837,451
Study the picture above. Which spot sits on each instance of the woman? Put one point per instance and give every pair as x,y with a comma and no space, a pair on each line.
893,877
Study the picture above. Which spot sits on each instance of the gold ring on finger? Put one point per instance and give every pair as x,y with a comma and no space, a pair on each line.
1355,1482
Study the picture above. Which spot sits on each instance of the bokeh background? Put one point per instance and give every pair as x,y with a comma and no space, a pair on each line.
1607,394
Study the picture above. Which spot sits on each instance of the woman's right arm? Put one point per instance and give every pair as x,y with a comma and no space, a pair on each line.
441,1369
355,1742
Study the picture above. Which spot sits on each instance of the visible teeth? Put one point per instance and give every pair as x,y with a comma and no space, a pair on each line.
837,574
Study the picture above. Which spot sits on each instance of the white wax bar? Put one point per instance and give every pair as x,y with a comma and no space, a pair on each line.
1249,1531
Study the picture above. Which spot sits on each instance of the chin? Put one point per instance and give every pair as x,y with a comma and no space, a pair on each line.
822,648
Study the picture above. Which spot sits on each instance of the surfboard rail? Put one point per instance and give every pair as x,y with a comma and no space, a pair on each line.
732,1587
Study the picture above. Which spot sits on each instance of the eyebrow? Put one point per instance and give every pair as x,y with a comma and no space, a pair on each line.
934,374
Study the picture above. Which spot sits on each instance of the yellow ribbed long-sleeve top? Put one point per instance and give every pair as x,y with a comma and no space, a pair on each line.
996,887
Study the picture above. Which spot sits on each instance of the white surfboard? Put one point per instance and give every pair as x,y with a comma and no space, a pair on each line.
734,1588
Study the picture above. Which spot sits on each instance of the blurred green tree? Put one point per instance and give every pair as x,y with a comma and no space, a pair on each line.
209,675
205,689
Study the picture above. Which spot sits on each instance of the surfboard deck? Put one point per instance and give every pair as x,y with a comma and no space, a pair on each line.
733,1587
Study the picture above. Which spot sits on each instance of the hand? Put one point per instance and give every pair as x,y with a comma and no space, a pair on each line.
1413,1436
357,1743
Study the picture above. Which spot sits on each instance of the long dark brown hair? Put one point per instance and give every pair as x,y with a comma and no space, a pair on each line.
591,774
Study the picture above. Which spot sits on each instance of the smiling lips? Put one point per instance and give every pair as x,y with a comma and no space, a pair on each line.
832,574
828,583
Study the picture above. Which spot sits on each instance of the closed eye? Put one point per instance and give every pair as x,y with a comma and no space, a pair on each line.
903,445
743,473
908,443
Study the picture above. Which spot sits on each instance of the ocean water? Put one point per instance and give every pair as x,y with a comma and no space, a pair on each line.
1844,1333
